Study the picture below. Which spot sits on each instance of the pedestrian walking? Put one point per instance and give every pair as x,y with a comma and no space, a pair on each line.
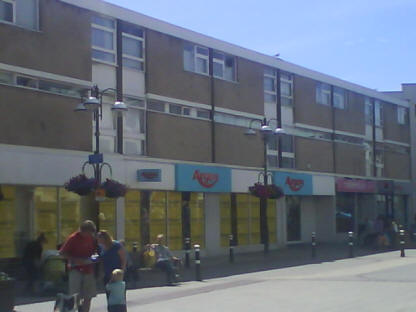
78,249
116,290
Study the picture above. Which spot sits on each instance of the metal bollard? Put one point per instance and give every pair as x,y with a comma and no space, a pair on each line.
313,245
197,263
402,243
230,237
187,252
351,244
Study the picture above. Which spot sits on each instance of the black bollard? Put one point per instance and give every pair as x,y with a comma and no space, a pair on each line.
197,263
230,237
402,243
313,245
351,244
187,252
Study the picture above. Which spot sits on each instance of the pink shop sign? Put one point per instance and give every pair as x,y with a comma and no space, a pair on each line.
355,186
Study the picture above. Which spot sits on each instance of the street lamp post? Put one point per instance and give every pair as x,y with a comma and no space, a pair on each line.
266,130
94,104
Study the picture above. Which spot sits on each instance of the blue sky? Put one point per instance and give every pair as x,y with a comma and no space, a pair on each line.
368,42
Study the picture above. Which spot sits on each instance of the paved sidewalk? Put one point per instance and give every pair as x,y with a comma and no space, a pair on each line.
213,267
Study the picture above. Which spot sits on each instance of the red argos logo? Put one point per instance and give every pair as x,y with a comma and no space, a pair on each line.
207,180
294,184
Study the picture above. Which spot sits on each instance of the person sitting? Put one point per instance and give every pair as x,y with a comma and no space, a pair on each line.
165,260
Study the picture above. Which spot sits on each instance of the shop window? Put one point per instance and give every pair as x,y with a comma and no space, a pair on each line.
271,220
46,215
157,215
132,218
174,220
225,212
293,218
248,219
7,222
345,203
70,213
107,216
197,219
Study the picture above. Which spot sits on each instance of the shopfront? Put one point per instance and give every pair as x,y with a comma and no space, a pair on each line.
359,203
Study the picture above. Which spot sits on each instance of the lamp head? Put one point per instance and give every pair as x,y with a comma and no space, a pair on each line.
92,103
119,108
279,131
81,108
250,131
266,129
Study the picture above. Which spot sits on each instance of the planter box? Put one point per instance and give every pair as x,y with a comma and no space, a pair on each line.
7,294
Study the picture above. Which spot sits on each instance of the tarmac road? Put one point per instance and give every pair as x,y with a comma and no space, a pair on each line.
380,282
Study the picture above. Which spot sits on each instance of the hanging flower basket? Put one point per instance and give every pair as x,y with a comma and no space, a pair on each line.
114,189
270,191
81,185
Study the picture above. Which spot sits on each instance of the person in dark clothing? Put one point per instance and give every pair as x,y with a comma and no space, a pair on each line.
32,258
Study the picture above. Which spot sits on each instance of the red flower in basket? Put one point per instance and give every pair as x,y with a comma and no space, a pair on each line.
269,191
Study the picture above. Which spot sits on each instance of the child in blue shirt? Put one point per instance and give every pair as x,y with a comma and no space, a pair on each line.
116,290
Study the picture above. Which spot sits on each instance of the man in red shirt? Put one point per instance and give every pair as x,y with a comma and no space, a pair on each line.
78,249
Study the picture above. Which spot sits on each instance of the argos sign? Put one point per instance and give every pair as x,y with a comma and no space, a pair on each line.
202,178
294,183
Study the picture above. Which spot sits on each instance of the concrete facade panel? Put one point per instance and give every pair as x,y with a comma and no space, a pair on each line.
62,46
33,118
392,130
178,138
245,95
313,155
165,71
306,110
396,165
349,159
352,118
234,148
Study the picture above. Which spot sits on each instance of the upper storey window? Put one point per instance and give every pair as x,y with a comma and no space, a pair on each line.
133,42
22,13
224,66
195,58
378,113
340,98
269,84
323,94
286,88
402,115
103,39
368,111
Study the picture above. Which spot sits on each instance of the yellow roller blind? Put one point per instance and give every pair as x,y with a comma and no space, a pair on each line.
243,219
254,220
196,205
157,214
7,222
132,218
70,213
46,217
271,219
174,205
108,216
225,210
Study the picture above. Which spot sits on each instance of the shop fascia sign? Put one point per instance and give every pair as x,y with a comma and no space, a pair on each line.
294,183
149,175
355,185
202,178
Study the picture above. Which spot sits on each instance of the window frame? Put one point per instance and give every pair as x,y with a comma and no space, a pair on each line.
195,56
113,31
13,3
266,74
223,64
320,91
402,114
378,113
290,83
131,57
368,111
342,94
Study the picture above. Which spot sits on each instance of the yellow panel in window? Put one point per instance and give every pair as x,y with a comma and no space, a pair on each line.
196,205
157,214
271,219
46,208
225,211
108,216
174,237
7,222
243,218
132,218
